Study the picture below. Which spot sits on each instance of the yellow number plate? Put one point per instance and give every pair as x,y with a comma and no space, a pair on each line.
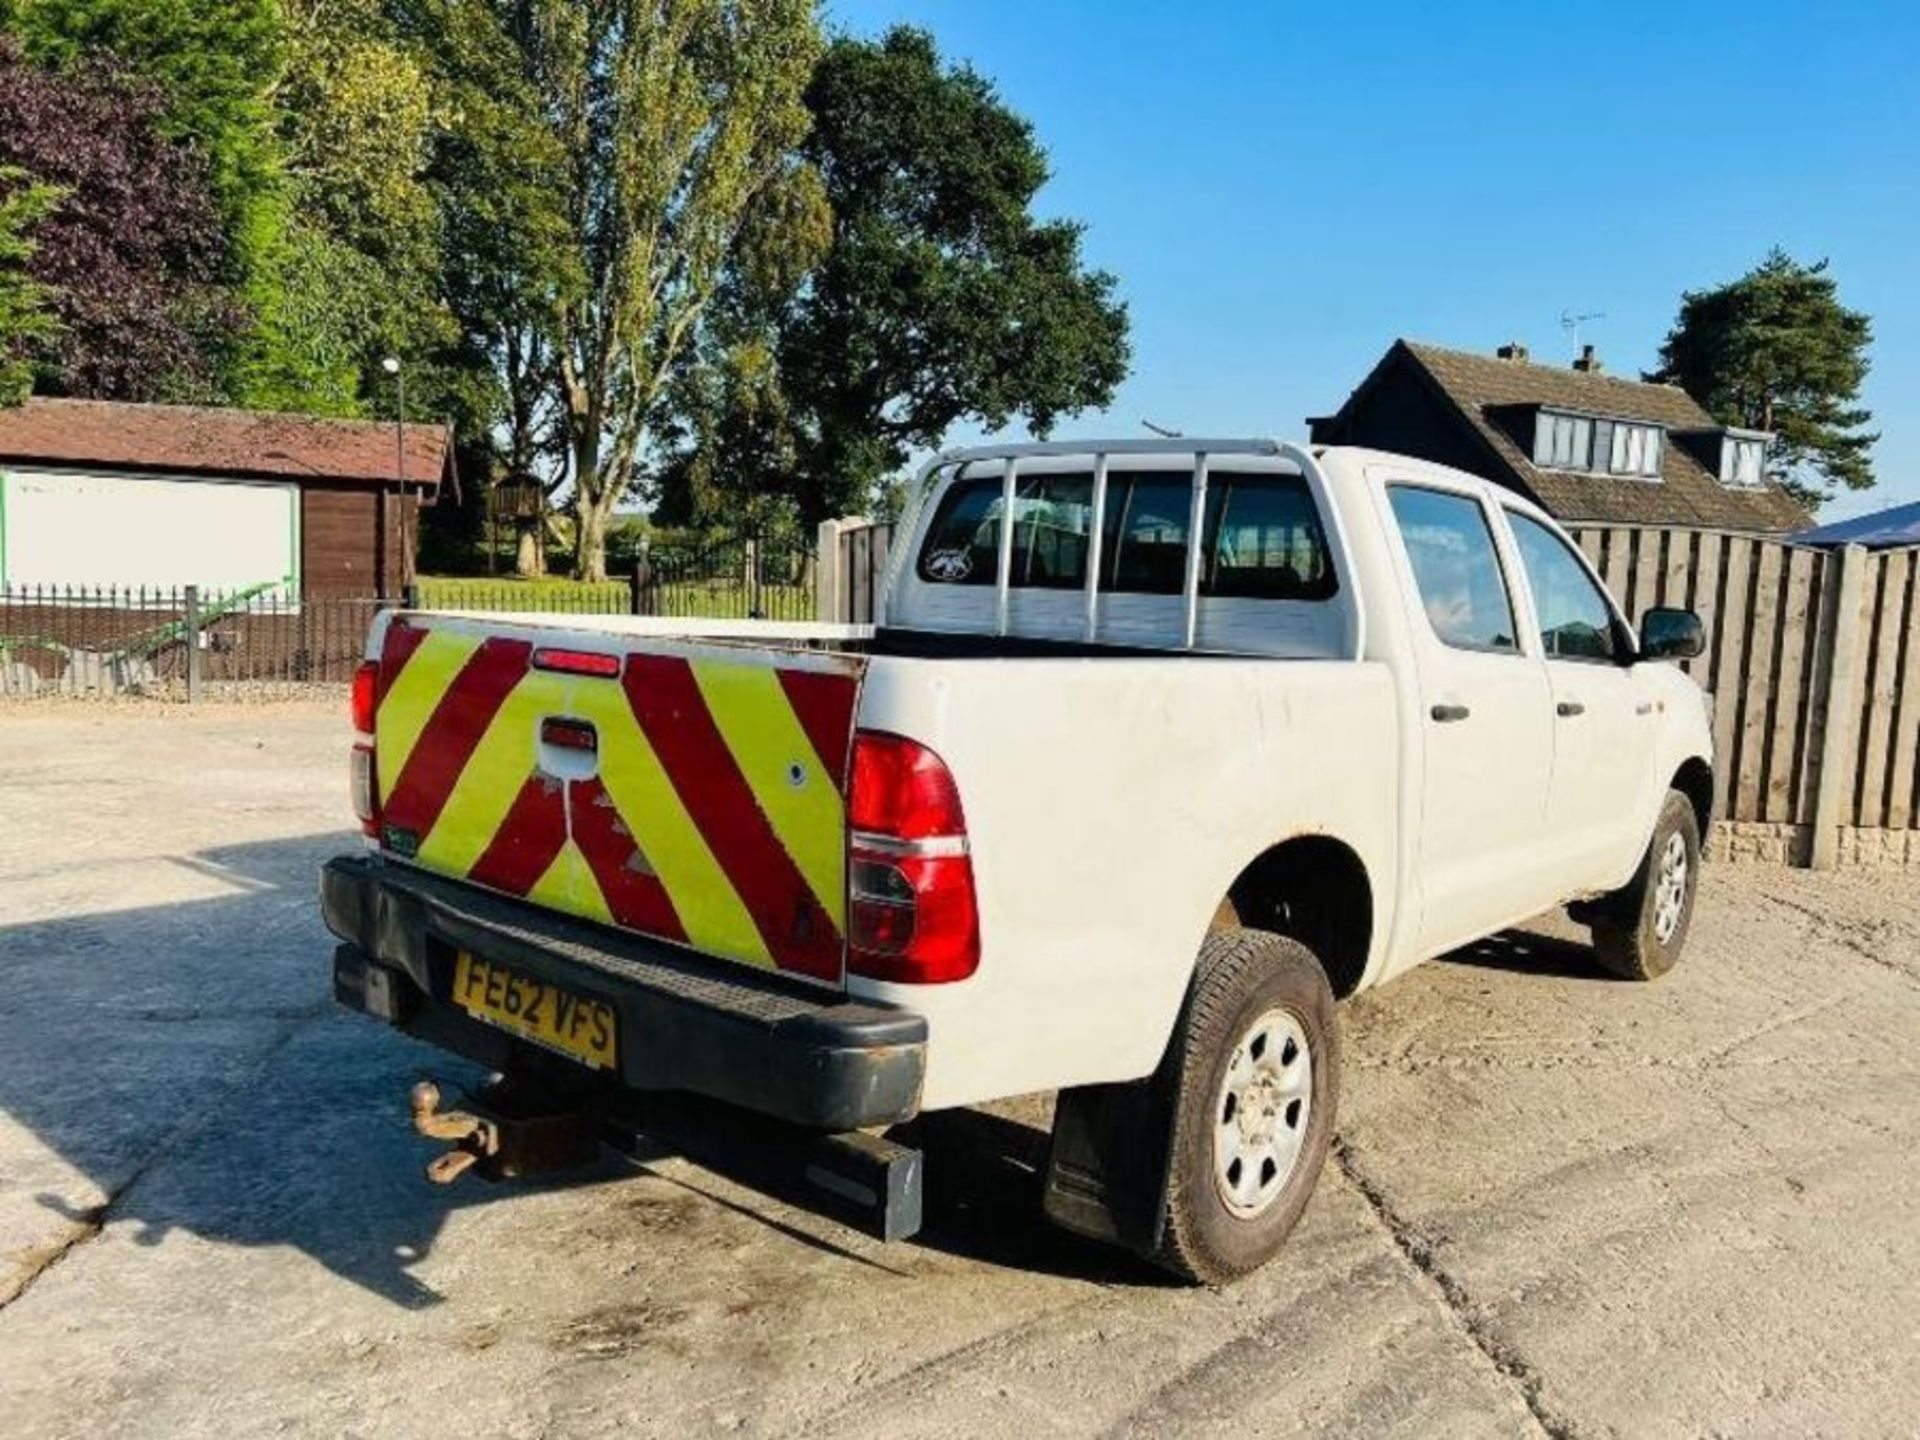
558,1019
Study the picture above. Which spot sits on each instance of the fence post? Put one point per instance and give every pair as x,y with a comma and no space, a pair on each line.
833,574
410,596
826,572
640,588
1840,744
193,644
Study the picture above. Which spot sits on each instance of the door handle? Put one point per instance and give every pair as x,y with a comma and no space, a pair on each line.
1447,714
1567,709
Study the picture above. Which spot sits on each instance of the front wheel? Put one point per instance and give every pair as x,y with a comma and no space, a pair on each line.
1254,1075
1640,929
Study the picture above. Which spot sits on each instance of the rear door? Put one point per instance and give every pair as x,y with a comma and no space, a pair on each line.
1485,719
685,791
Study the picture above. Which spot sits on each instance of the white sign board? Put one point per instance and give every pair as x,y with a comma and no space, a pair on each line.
125,532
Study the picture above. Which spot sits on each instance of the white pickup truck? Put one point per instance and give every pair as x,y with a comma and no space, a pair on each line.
1095,809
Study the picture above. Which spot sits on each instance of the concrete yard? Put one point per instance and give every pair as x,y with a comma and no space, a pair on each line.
1560,1204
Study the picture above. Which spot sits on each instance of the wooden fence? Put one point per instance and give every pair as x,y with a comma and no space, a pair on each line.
1812,660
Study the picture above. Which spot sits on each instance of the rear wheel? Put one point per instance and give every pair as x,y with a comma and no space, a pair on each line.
1253,1078
1640,930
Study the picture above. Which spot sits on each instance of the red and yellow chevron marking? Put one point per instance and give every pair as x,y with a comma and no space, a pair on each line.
714,815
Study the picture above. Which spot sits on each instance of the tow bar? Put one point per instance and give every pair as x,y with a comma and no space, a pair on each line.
504,1135
870,1182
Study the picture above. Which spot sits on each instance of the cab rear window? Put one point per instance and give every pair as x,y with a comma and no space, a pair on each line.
1263,537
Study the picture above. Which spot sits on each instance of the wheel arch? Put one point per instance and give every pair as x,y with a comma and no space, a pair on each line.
1694,779
1314,888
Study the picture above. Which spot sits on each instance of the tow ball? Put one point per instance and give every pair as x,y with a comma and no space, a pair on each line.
504,1133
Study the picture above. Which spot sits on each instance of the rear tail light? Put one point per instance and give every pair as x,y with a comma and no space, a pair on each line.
366,795
912,912
366,683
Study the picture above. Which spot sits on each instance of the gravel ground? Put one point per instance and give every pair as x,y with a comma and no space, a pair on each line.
1561,1205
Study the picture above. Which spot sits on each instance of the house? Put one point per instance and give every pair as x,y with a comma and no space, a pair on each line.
1890,529
104,495
1591,448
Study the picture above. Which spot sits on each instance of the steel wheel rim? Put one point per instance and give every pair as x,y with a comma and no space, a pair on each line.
1260,1113
1670,888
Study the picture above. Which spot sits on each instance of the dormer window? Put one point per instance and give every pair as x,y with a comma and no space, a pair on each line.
1563,441
1743,457
1636,450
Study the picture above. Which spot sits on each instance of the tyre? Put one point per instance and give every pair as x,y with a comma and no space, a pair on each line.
1639,930
1252,1075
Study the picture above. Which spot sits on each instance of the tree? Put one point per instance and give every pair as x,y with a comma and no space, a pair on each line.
354,274
25,319
675,122
505,258
941,297
132,256
212,64
1775,350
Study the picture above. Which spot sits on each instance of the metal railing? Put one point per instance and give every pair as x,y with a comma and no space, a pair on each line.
186,642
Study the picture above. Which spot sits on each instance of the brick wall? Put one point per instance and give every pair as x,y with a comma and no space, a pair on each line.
1782,843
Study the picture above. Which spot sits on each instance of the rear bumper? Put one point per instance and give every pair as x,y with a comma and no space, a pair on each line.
704,1027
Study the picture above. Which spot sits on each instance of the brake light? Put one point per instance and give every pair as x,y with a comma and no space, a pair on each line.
913,916
366,796
902,790
576,662
366,682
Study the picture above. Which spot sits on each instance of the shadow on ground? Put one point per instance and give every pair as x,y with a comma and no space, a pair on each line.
1525,952
188,1061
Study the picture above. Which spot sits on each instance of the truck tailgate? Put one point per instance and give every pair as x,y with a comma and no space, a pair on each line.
686,790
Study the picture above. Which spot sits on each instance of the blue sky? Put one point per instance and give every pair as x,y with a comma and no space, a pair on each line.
1282,189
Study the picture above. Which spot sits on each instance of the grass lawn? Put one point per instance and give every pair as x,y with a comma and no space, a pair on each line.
716,598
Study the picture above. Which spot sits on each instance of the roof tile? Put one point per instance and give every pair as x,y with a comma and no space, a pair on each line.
1687,494
203,440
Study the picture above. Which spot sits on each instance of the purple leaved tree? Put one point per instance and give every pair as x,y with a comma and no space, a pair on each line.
133,257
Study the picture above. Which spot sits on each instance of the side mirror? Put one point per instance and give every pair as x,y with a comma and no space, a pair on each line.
1669,634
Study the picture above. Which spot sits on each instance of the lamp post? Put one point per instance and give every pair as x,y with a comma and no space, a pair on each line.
392,366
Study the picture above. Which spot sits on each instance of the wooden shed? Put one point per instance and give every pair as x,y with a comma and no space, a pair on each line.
101,494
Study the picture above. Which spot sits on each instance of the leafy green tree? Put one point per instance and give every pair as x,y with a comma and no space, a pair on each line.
676,123
941,297
25,318
505,257
354,274
216,62
1775,350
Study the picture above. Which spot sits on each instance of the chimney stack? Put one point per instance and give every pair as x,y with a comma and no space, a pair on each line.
1513,350
1588,363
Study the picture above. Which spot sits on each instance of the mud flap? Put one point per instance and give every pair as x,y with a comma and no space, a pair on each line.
1108,1171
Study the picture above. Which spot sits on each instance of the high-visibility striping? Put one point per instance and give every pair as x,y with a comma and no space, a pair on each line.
711,914
490,781
782,768
402,640
823,704
674,716
461,719
528,839
568,887
413,695
625,875
710,813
